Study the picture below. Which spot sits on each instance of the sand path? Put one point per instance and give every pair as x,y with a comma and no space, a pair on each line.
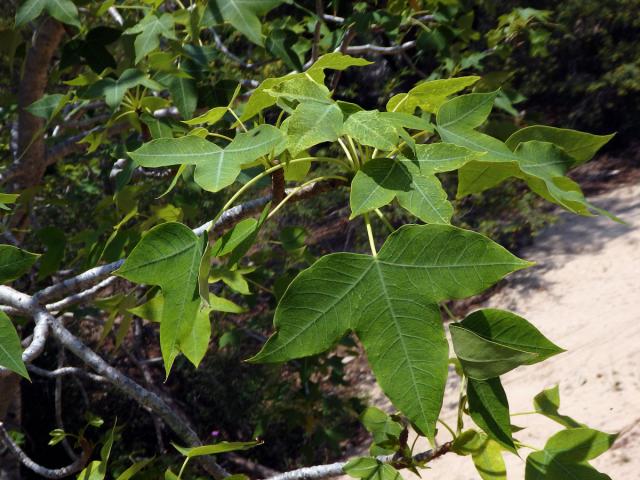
584,294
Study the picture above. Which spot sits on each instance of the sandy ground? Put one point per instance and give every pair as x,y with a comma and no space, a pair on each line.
584,295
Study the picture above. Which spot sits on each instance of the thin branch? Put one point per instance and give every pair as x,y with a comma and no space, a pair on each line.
337,469
315,46
76,466
65,371
378,50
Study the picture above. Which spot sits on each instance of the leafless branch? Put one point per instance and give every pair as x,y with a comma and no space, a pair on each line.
65,371
378,50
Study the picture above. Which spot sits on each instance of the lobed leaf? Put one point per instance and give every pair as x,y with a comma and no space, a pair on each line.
391,303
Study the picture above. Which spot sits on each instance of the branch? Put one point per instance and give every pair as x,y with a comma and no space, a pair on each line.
145,398
378,50
337,469
76,466
65,371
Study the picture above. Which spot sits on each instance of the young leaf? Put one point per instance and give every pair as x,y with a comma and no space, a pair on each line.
489,409
492,342
233,237
391,302
10,347
370,468
169,256
301,89
547,403
311,124
429,95
113,90
133,469
580,146
383,428
216,448
14,262
486,454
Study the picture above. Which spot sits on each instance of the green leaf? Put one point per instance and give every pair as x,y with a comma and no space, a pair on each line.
489,409
148,31
371,469
579,444
371,128
133,469
486,454
380,180
243,15
151,310
233,237
54,240
14,262
429,95
10,347
547,403
466,111
211,117
47,106
114,90
301,89
580,146
169,256
184,94
337,61
383,428
216,448
391,303
216,168
442,157
566,454
62,10
260,99
491,342
311,124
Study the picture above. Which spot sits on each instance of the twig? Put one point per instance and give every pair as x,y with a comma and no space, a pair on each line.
378,50
76,466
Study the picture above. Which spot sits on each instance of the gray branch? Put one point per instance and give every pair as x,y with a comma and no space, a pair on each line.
74,467
337,469
378,50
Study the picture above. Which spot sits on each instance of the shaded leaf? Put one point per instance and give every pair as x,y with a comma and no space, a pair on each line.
547,403
491,342
489,409
10,347
14,262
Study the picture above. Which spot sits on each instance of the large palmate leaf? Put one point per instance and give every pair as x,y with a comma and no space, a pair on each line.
429,95
489,409
148,31
391,302
566,454
14,262
580,146
62,10
10,347
381,180
169,256
491,342
216,168
311,124
442,157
